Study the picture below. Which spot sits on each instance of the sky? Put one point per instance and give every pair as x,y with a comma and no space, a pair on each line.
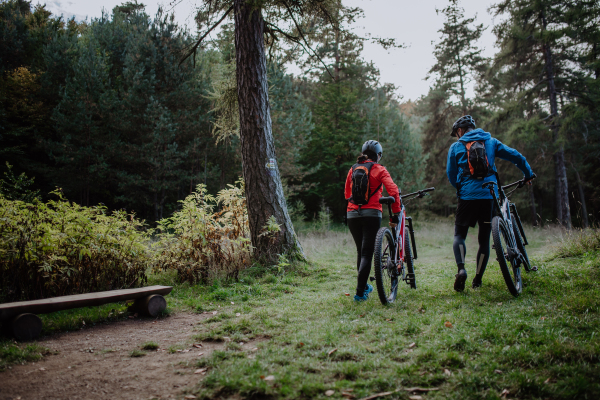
412,22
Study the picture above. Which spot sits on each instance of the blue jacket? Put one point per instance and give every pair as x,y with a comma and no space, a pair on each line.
457,168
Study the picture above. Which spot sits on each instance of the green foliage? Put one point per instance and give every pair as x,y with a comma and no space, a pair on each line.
60,248
17,187
202,243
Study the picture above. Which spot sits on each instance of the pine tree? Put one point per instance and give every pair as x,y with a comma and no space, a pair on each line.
531,61
458,64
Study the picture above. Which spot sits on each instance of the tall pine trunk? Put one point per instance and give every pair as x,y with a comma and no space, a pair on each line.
563,211
584,213
534,217
264,192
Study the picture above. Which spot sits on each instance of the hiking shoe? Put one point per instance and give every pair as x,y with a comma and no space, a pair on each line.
369,289
459,282
358,298
476,282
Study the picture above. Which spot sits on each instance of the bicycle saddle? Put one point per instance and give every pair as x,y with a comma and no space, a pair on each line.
488,184
387,200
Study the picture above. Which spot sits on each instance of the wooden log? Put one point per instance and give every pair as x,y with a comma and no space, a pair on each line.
25,327
151,305
43,306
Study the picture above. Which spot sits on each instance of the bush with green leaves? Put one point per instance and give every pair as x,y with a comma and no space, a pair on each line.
208,237
59,248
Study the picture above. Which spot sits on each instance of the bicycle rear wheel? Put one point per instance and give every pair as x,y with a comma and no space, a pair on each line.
506,257
520,245
386,276
411,279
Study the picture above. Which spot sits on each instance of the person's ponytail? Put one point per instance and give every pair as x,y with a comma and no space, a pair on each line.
362,158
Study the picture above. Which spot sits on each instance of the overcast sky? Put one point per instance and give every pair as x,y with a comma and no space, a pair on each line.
412,22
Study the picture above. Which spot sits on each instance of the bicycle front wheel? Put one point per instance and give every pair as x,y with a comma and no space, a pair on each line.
386,276
506,256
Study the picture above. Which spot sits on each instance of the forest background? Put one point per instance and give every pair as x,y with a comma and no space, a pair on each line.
106,110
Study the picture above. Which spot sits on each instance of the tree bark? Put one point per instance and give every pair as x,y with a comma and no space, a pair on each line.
264,192
563,211
584,212
534,218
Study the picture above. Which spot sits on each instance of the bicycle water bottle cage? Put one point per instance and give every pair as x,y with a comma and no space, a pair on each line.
387,200
488,184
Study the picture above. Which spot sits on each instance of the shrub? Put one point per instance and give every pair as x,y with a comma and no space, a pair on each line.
60,248
202,244
578,242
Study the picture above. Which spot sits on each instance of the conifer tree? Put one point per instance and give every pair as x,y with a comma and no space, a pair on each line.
530,73
458,63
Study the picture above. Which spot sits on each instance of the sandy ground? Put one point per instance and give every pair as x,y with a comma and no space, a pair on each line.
95,363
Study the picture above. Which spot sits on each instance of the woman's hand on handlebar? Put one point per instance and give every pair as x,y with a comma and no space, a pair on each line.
394,220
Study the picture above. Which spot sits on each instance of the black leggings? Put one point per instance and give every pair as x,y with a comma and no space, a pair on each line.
460,250
364,230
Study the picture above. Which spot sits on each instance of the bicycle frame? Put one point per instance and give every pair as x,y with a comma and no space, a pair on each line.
399,231
503,209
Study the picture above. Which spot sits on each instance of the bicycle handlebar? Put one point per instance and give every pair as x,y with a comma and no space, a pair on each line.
419,194
521,183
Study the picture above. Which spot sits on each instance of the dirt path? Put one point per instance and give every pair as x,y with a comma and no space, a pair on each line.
95,363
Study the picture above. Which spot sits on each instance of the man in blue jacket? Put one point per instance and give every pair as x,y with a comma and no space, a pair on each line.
475,204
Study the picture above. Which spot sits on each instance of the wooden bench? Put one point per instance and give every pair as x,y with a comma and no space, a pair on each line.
24,324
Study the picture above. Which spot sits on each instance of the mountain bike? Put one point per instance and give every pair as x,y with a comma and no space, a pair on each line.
395,251
509,237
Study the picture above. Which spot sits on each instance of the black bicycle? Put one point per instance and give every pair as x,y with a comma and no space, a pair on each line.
394,255
509,237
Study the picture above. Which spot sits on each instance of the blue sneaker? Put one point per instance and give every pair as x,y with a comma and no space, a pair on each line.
358,298
369,289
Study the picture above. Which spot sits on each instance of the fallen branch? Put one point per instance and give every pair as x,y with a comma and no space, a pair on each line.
418,389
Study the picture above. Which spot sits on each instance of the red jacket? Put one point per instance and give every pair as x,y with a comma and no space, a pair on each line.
377,176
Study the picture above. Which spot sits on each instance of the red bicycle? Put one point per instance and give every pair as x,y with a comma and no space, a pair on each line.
394,254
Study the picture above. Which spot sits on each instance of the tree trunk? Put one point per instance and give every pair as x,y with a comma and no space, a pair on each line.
534,218
584,212
563,211
264,192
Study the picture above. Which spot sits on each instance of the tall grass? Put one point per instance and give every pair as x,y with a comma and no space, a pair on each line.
578,242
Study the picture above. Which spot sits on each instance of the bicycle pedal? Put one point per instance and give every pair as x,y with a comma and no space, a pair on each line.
371,278
534,268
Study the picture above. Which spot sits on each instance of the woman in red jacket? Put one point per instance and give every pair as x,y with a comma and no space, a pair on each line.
364,221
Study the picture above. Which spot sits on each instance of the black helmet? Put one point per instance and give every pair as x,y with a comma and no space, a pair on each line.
372,147
465,121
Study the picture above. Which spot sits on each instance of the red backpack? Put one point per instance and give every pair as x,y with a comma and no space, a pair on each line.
361,192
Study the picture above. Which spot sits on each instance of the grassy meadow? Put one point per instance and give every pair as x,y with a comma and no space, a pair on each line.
314,342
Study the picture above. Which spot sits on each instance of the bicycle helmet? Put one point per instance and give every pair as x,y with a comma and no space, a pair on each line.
372,148
466,121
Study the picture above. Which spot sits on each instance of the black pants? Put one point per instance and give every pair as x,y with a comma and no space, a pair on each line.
468,213
363,231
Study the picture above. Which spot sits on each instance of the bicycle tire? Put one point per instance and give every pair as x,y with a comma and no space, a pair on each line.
386,279
520,245
411,279
513,281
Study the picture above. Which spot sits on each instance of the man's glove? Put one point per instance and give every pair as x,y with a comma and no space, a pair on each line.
394,219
